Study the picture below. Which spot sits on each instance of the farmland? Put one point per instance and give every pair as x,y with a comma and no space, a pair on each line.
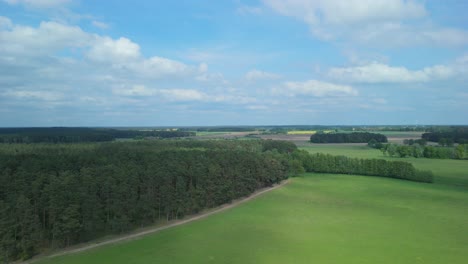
323,218
316,216
301,132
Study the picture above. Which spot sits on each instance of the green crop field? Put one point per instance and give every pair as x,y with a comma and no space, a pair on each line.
317,218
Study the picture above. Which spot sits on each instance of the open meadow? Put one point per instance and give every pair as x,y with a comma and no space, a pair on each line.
321,218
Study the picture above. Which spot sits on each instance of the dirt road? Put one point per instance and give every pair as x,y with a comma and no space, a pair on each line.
175,223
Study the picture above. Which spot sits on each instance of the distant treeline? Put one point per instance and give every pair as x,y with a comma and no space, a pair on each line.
459,135
79,134
219,129
419,151
356,137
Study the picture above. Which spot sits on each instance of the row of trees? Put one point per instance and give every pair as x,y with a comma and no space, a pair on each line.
458,135
373,167
419,151
80,134
356,137
421,142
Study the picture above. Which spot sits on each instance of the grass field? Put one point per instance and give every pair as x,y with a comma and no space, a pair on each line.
317,218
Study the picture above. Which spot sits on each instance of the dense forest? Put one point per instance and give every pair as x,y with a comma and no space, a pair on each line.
458,135
56,195
80,134
356,137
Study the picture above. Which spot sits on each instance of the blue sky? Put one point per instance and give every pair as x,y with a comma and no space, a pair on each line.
200,62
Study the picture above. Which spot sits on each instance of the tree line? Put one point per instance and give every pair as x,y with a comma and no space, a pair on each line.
81,134
455,135
430,152
355,137
327,163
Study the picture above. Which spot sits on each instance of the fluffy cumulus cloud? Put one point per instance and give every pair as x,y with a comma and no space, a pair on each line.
55,65
316,88
52,40
106,49
378,22
158,67
47,39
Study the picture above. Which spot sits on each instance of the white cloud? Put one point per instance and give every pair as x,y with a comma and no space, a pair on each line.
5,22
125,54
192,95
135,90
180,95
39,3
216,78
52,38
183,94
41,95
48,38
203,67
100,24
315,88
382,73
257,107
158,67
379,22
106,49
254,75
337,12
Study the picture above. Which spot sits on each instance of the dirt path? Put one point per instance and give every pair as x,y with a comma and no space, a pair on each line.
157,229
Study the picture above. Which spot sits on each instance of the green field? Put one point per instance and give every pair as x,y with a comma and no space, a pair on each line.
316,218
